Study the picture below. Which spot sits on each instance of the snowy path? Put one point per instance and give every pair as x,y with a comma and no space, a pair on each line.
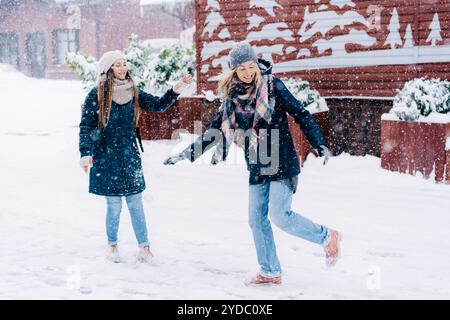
396,227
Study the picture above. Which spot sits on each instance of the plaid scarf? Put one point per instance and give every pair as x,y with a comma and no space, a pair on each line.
249,101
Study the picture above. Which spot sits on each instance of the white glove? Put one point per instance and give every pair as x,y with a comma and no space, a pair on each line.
174,159
209,95
86,162
322,150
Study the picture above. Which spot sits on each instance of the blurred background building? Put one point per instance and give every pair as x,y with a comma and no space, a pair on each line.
36,35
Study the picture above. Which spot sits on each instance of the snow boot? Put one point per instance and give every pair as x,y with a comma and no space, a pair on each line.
145,255
332,248
113,254
261,280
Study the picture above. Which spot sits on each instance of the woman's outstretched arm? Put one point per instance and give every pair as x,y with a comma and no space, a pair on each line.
152,103
301,116
211,137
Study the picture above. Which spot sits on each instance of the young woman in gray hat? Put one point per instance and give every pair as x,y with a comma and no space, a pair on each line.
254,113
108,132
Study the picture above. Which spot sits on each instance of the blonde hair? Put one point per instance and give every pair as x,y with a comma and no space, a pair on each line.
104,98
224,86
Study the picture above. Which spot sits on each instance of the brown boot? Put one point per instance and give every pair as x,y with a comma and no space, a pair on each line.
332,249
261,280
113,254
145,255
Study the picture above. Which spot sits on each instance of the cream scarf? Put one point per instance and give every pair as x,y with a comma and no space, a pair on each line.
123,91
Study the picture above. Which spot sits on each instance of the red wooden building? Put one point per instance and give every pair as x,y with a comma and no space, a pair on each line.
355,53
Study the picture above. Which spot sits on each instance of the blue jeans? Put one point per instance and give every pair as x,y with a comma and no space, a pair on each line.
114,207
276,197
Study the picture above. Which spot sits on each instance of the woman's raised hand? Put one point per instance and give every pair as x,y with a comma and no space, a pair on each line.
183,83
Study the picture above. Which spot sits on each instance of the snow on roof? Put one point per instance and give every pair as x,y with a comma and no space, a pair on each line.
433,117
150,2
142,2
65,1
77,2
160,43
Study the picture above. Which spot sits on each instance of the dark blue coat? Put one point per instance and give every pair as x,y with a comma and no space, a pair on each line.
288,164
117,169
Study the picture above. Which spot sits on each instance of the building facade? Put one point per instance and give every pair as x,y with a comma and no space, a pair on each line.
355,53
35,35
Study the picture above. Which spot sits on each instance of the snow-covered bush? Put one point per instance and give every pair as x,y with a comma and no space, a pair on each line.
310,98
169,66
420,97
85,66
138,56
154,72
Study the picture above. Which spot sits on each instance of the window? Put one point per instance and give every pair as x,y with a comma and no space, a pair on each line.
65,41
9,2
9,49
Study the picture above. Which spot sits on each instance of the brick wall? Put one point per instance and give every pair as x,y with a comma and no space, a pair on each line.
355,125
182,115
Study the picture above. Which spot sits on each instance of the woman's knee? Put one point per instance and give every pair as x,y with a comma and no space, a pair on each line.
134,199
257,219
114,202
137,197
280,217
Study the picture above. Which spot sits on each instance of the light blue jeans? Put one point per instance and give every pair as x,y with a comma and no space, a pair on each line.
114,207
276,197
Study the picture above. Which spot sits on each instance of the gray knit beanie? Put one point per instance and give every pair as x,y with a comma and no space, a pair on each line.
240,53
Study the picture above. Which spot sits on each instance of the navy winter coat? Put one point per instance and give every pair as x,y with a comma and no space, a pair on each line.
117,169
288,164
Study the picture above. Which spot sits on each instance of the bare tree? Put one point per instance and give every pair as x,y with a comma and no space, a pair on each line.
183,10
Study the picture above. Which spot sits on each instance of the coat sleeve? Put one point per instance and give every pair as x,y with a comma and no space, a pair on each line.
301,116
152,103
211,137
88,124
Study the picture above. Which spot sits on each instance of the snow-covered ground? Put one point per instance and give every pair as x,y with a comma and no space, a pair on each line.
396,227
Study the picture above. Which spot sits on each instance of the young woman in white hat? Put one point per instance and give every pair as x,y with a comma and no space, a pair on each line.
108,147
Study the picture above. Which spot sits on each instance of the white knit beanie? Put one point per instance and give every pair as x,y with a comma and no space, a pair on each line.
108,59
